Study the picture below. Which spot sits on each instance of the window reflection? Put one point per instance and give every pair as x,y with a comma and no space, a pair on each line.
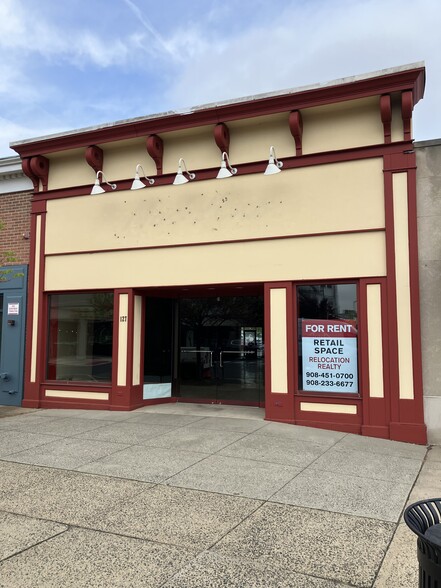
80,337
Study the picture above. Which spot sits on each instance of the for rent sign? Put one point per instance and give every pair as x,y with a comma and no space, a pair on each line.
329,353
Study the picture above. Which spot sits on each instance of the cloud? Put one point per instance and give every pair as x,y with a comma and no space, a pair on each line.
65,66
9,129
153,33
313,42
25,30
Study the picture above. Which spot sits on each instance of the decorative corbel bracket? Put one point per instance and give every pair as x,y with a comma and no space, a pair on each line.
386,116
155,148
296,128
37,169
406,113
95,158
222,137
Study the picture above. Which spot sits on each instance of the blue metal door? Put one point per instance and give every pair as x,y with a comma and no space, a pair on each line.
12,336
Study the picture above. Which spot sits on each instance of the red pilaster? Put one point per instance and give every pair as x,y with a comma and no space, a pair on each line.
279,406
407,416
31,396
126,396
376,410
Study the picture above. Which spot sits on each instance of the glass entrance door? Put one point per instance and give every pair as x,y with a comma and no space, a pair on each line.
221,352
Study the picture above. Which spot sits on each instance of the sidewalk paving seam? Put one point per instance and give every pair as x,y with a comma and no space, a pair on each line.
38,542
301,471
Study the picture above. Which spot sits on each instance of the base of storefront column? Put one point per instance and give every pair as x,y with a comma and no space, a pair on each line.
375,431
409,433
30,403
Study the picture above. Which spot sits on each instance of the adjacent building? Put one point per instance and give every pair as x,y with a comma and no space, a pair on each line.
15,208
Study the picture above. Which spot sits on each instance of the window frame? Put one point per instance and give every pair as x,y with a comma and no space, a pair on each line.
318,394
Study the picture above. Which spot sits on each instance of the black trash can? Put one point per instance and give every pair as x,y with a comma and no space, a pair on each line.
424,519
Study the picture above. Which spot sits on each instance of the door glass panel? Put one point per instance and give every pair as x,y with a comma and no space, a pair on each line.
158,347
221,349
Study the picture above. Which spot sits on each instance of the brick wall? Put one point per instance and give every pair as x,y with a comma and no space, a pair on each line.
15,215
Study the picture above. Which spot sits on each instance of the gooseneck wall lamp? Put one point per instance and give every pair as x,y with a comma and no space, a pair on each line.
97,189
180,178
226,171
137,184
274,165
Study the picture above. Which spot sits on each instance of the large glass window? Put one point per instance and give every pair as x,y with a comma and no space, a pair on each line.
327,338
80,337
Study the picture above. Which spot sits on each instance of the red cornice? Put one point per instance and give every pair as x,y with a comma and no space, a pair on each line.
409,80
393,150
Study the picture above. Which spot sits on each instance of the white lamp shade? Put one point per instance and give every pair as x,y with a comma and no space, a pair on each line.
271,169
137,184
97,188
179,179
223,172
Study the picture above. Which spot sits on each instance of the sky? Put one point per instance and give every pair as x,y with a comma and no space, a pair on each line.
73,64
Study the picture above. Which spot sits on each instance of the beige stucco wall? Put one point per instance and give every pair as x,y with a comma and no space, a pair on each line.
69,168
279,342
337,197
336,256
397,132
429,243
121,158
340,126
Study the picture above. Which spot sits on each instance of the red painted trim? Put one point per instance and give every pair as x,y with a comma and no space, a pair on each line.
376,411
154,401
155,148
400,161
222,137
26,167
393,388
115,346
127,395
311,159
76,386
296,127
418,411
31,390
375,431
38,206
386,116
95,158
406,113
39,167
223,242
130,331
409,432
42,310
407,415
409,80
81,404
28,403
279,405
331,425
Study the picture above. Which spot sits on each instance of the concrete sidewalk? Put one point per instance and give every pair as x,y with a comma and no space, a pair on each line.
183,496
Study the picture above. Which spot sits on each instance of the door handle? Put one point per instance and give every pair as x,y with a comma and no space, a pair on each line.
4,376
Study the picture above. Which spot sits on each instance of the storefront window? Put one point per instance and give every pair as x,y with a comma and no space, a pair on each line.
327,338
80,337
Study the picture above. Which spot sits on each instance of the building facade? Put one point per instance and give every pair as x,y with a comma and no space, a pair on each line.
290,282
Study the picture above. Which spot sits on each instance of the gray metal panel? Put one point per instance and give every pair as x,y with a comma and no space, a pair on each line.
13,337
